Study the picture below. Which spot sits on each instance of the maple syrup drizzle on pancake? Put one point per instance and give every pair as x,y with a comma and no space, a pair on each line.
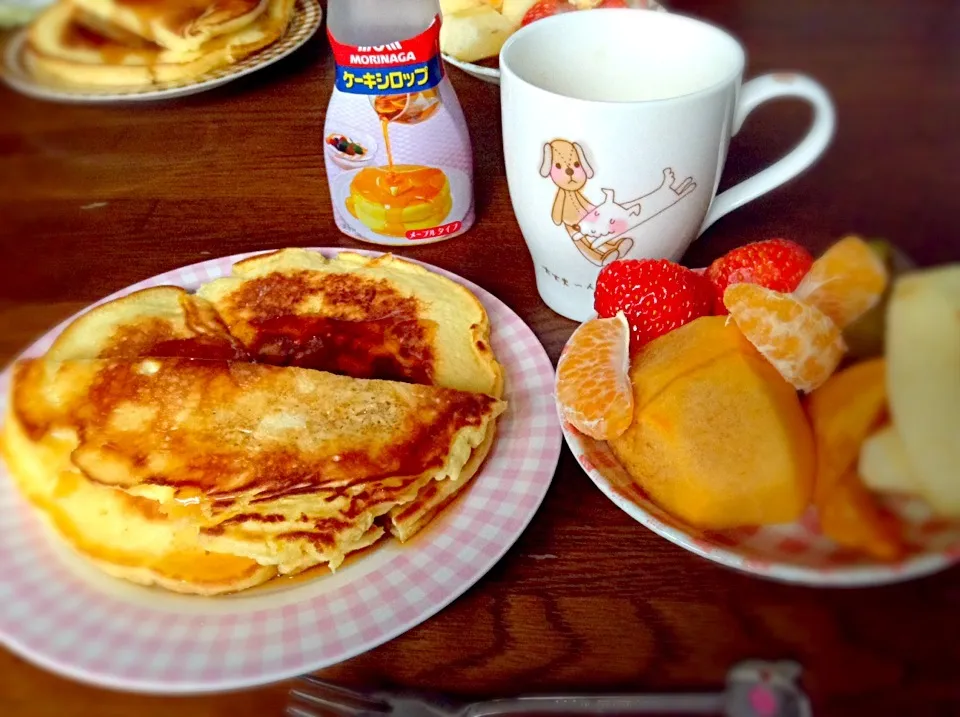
369,329
398,350
148,340
363,475
82,33
197,348
157,338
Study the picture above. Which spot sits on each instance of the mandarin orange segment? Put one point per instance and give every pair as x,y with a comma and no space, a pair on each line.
846,282
593,382
801,342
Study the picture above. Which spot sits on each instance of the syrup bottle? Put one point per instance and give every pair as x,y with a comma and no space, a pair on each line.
396,147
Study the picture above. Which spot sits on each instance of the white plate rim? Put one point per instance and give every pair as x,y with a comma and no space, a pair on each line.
481,72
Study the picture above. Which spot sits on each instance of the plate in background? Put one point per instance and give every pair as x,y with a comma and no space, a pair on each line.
492,74
481,72
304,23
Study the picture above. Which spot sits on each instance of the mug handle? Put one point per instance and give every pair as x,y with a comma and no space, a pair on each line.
753,94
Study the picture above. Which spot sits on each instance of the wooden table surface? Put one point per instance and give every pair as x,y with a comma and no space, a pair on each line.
93,199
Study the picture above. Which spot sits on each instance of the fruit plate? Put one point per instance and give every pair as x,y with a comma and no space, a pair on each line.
794,553
304,23
66,616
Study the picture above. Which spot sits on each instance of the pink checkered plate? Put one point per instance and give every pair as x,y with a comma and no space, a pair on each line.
66,616
795,552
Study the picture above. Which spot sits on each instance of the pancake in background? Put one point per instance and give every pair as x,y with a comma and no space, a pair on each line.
179,25
68,46
358,316
285,466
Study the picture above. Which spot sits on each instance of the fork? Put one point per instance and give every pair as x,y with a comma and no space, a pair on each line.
754,689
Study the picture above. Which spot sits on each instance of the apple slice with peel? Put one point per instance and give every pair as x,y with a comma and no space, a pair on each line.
923,380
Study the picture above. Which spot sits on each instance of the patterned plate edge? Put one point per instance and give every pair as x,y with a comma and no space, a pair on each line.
185,687
302,27
916,566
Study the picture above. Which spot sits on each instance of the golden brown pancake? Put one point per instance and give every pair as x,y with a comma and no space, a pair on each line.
126,536
287,466
123,535
160,321
365,317
69,46
408,519
358,316
153,474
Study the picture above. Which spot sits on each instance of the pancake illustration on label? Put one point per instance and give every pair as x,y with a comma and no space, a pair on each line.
600,230
397,150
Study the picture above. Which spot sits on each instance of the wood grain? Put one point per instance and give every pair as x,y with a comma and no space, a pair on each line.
96,198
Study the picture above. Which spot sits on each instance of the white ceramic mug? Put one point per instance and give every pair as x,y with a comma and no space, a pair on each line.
616,125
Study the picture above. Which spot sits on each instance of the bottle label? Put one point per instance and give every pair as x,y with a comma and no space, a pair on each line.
396,144
402,67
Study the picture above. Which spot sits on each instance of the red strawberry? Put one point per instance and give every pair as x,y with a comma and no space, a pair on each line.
656,295
545,8
777,264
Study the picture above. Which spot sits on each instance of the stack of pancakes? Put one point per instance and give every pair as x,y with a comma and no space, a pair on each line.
142,43
396,199
277,420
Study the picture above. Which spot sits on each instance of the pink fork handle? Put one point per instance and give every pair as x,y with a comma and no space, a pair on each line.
675,704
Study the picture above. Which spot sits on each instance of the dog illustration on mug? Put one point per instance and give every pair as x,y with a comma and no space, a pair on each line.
598,230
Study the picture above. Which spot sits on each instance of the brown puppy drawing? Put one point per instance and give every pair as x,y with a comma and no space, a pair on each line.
566,165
